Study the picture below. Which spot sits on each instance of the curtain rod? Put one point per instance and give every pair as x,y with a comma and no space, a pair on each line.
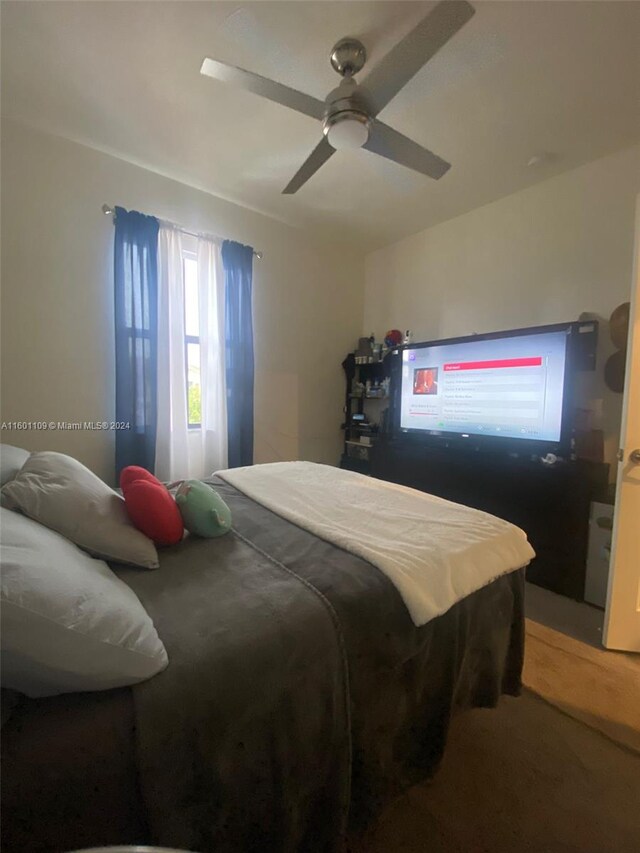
108,211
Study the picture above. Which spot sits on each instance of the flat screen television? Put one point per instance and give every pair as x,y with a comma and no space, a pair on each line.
506,389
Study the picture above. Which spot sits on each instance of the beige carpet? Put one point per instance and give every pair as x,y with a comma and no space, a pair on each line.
524,777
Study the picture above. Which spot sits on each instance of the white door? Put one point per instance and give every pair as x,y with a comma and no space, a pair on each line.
622,616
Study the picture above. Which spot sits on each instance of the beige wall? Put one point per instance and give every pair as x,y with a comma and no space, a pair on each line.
57,301
543,255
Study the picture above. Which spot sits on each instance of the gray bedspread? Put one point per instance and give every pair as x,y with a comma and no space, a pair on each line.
299,695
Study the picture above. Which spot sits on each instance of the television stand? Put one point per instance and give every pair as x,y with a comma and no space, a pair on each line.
549,502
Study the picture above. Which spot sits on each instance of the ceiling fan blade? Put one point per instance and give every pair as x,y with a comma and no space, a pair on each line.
251,82
387,142
414,50
317,158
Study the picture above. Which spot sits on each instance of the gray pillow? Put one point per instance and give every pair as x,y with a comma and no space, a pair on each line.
68,623
59,492
11,461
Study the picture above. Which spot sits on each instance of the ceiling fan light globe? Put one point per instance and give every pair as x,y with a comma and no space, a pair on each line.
349,132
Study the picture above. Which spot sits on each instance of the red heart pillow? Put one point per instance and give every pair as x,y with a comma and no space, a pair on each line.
135,472
150,506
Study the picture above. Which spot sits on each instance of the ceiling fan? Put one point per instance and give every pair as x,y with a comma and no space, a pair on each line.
348,114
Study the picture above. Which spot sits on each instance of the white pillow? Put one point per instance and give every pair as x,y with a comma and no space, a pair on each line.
68,623
59,492
11,461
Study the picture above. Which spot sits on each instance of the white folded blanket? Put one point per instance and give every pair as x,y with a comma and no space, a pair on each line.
433,551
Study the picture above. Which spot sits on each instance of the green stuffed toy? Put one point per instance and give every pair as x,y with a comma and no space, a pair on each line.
202,509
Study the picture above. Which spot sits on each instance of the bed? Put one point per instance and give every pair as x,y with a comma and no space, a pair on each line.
300,697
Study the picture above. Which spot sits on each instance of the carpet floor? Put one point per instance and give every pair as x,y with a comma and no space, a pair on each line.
523,777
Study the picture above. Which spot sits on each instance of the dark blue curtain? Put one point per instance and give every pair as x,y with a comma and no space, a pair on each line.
237,261
136,316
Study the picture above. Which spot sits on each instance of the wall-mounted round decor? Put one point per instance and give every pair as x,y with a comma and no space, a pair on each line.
615,364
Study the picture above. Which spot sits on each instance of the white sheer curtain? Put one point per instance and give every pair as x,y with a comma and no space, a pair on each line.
183,452
213,434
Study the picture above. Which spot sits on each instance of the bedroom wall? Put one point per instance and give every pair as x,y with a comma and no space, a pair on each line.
57,301
543,255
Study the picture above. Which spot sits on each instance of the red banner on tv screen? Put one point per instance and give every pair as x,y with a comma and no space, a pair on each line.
535,361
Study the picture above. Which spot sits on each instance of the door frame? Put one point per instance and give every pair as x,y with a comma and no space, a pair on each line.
622,610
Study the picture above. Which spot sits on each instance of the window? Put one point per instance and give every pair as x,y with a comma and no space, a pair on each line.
192,339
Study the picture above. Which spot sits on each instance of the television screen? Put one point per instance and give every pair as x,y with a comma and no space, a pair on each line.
508,385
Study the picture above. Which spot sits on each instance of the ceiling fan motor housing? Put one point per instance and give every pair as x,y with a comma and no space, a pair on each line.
347,103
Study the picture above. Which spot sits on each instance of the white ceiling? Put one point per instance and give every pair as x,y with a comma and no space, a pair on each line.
520,79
